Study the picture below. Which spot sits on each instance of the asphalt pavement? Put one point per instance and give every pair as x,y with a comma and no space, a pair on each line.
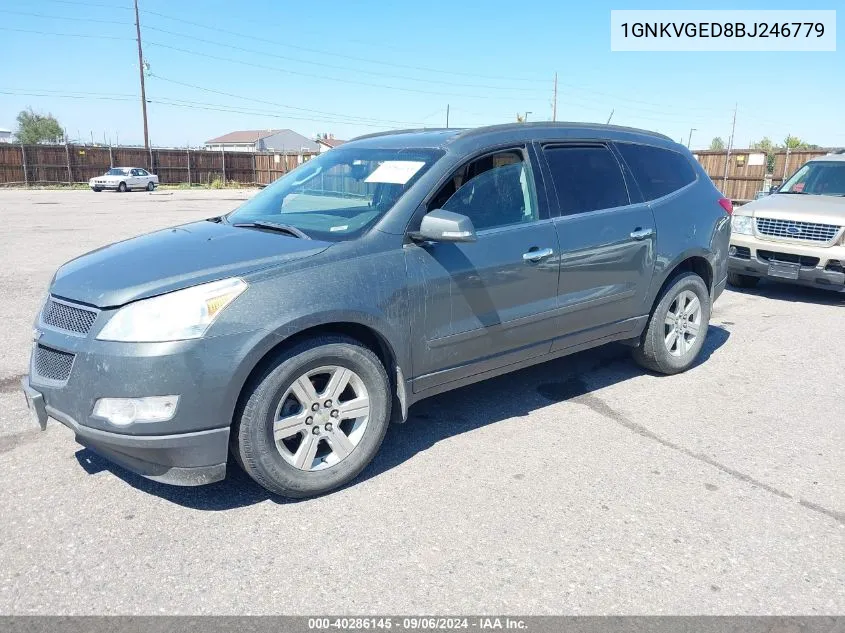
581,486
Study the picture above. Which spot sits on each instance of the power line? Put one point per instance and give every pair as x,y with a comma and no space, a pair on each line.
343,56
276,104
90,4
62,17
52,34
336,66
327,78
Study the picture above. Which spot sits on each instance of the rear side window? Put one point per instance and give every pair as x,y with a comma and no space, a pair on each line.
658,171
586,178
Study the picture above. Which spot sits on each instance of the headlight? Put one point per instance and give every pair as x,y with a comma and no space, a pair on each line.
179,315
742,224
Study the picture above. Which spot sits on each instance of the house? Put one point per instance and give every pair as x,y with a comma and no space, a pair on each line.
5,135
280,141
327,142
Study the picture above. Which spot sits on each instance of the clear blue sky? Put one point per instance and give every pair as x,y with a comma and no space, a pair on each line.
358,66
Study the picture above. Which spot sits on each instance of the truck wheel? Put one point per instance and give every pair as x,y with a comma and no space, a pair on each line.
677,326
122,187
742,281
150,186
314,418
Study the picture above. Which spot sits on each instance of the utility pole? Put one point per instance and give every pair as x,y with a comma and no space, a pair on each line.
728,155
689,139
141,71
525,120
447,115
554,102
610,117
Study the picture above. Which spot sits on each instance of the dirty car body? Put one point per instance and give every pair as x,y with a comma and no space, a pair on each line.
570,265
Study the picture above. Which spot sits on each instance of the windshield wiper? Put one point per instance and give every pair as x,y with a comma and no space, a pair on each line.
274,226
802,193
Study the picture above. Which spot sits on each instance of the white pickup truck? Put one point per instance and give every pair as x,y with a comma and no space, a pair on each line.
123,179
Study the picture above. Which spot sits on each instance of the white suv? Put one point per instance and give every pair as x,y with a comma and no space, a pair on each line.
124,179
797,234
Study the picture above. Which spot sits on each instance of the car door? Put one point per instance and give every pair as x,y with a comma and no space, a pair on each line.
491,302
134,180
143,178
607,241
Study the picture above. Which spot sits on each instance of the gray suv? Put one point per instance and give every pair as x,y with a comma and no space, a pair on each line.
291,331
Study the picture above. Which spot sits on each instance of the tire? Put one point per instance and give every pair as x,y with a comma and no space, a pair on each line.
654,351
97,189
742,281
150,186
261,455
121,188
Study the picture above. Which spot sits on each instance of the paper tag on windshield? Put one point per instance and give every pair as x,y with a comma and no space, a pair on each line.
396,172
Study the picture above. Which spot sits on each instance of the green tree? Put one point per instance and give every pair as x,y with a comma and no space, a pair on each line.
37,128
766,145
717,143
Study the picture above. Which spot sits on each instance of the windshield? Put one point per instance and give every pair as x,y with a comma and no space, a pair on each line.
820,178
339,194
117,172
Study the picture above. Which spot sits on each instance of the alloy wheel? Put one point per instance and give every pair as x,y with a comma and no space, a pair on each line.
683,323
321,418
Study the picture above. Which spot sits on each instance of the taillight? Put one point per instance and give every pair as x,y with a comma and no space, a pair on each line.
727,205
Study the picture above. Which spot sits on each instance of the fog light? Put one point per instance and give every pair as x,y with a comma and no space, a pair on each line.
125,411
732,251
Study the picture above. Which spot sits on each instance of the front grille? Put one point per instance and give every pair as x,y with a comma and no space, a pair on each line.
52,364
791,258
792,229
68,317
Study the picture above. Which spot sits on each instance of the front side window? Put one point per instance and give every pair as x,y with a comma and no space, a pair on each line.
492,191
820,178
339,194
658,171
586,178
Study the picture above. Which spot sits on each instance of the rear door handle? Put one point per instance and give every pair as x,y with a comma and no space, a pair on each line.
641,234
535,255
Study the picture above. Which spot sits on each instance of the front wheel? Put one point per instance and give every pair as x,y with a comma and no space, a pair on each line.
314,419
122,187
677,326
96,189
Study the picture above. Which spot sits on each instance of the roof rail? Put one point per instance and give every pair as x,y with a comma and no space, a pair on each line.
469,132
406,131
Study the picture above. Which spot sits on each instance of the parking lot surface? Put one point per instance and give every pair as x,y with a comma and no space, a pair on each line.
584,485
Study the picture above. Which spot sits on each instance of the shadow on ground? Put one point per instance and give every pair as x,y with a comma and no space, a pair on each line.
788,292
461,411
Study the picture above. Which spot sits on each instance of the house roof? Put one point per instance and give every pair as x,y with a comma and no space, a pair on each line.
245,136
330,142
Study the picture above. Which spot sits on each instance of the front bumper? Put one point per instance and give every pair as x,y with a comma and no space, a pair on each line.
190,448
819,267
106,185
185,459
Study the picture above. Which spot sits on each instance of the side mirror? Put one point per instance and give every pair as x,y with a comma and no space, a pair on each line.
444,226
774,188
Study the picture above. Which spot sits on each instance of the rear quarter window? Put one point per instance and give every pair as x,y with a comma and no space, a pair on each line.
658,171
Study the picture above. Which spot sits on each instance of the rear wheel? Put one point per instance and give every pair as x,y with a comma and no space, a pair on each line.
677,326
315,419
122,187
150,186
742,281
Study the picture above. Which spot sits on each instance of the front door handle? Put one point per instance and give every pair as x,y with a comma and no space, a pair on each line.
641,234
536,254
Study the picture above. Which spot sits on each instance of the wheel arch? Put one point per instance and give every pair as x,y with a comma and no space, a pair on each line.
697,261
361,328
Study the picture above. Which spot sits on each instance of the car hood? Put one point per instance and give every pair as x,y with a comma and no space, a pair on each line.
805,208
172,259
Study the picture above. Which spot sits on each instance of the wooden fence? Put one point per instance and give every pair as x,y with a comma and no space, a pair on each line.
745,172
55,164
739,176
